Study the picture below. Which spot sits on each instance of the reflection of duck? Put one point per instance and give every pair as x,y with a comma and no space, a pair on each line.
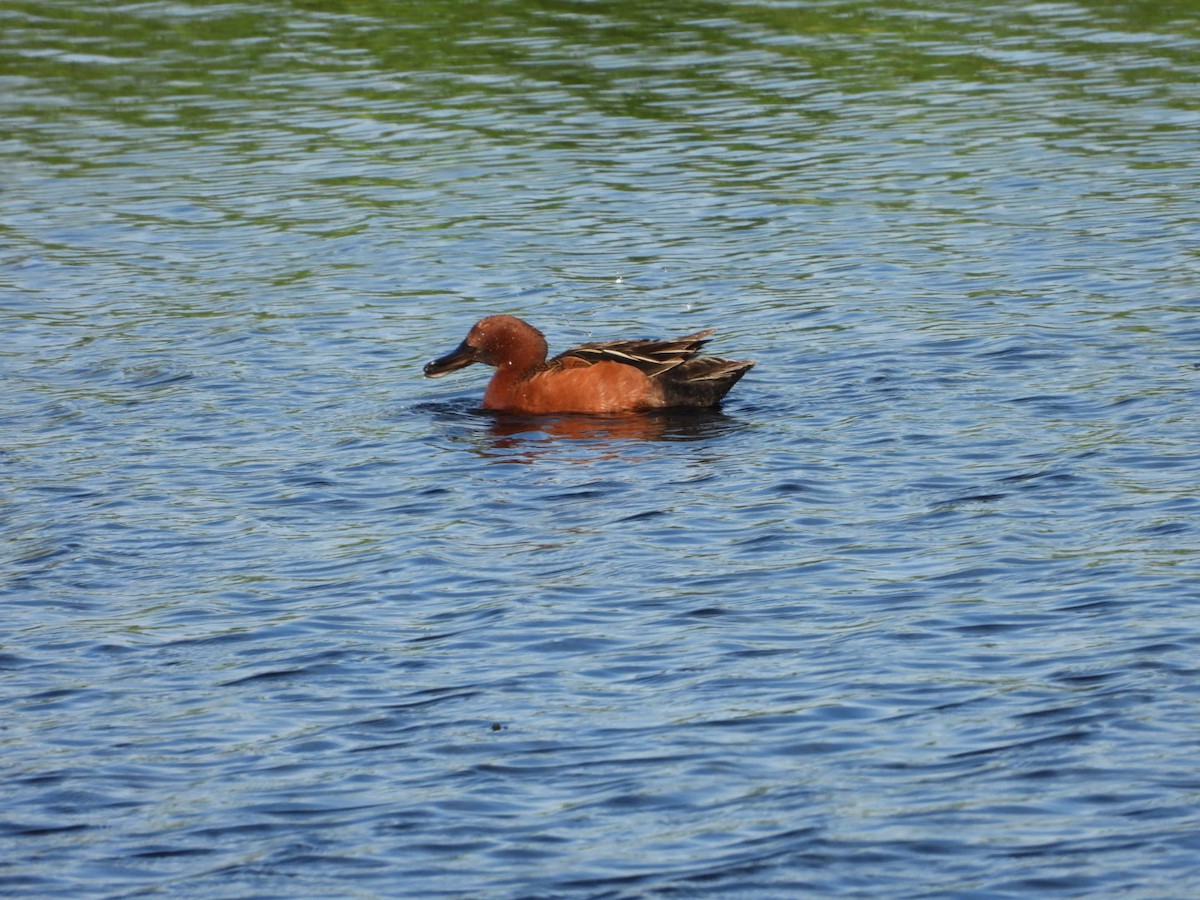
516,438
608,377
635,427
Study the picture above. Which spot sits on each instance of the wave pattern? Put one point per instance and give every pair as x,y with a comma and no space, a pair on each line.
912,616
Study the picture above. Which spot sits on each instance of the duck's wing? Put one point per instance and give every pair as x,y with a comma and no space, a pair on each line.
652,357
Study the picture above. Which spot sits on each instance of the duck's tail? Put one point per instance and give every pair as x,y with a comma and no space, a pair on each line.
703,380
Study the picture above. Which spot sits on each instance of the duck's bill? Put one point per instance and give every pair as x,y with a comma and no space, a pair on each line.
458,358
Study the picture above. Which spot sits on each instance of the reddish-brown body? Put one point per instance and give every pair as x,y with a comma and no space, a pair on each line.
611,377
603,387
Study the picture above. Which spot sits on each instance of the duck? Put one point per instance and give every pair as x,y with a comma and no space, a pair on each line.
609,377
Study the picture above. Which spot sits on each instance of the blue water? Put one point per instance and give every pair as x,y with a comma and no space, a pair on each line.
914,615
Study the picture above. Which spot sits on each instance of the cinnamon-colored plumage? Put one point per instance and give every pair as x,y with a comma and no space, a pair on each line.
608,377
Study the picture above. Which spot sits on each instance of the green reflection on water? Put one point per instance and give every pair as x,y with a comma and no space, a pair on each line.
634,54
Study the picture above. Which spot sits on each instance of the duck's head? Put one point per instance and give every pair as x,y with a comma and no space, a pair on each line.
502,341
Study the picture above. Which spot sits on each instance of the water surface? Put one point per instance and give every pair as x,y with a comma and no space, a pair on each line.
913,615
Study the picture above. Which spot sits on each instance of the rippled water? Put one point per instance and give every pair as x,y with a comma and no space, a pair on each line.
914,615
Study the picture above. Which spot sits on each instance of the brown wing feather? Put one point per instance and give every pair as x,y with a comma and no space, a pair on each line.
652,357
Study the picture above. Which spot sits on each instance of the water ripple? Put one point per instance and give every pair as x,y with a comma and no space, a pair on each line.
911,615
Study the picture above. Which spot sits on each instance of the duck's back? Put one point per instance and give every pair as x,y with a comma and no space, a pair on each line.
678,374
